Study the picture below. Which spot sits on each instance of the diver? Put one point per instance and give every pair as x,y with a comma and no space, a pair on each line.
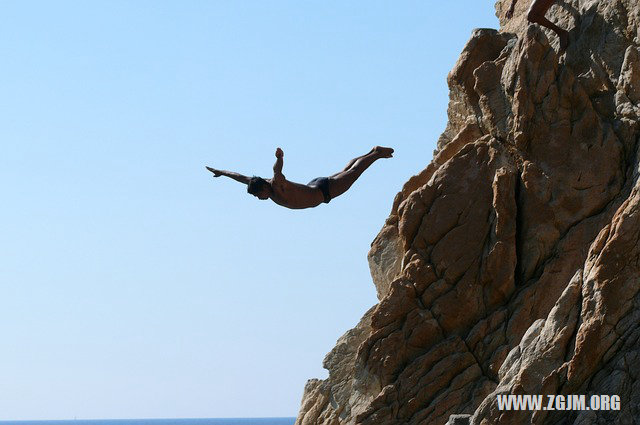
297,196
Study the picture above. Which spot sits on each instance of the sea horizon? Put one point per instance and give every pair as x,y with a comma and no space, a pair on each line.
157,421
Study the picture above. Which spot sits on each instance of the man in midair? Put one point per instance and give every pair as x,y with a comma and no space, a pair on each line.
297,196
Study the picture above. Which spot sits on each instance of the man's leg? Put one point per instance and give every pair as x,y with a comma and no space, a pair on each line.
353,161
342,181
536,15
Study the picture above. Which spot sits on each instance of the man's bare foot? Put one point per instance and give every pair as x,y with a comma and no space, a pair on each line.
383,152
564,41
216,173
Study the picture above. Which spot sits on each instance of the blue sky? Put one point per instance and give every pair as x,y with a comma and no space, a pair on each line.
132,284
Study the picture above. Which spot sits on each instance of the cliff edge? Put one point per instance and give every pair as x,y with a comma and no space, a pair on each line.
511,264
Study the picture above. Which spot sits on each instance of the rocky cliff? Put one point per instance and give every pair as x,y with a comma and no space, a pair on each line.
511,264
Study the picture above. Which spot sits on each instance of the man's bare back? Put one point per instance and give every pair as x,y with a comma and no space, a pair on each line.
294,195
298,196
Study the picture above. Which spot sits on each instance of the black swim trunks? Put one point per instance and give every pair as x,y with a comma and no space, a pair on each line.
322,183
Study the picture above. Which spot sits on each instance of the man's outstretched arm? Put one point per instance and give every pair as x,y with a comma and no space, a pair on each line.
236,176
277,167
511,9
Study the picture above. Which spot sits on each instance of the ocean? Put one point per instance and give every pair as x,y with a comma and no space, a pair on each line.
238,421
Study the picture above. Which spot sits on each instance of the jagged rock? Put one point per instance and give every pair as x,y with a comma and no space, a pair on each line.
511,263
337,399
459,420
385,259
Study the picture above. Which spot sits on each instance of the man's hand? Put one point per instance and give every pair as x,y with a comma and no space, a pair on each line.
216,173
279,153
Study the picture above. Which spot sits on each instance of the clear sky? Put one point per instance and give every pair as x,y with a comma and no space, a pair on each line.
133,284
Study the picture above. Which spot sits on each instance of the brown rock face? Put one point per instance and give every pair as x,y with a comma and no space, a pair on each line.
511,264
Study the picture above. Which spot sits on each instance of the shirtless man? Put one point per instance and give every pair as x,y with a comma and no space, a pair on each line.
536,13
297,196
